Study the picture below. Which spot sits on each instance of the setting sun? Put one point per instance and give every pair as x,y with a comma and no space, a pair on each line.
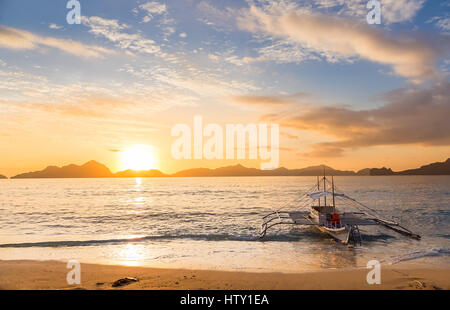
138,157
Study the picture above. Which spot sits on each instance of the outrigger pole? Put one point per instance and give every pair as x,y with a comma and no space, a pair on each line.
324,186
332,185
318,187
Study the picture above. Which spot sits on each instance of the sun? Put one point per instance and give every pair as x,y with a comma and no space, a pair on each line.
138,157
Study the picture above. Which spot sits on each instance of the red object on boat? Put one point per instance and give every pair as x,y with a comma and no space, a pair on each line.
335,219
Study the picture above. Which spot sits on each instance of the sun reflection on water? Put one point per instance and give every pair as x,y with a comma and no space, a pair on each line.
138,183
139,200
132,254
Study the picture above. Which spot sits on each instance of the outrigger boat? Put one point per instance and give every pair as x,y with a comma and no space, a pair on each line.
327,217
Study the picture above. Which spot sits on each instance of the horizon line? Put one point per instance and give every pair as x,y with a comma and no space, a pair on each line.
239,164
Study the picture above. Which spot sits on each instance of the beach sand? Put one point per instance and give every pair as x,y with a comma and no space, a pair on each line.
45,275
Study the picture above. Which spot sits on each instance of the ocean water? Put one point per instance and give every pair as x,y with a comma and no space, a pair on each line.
213,223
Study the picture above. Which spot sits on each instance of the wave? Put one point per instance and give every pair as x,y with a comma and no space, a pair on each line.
305,235
434,252
201,237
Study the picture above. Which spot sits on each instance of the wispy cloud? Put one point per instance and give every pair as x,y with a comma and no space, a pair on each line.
152,8
265,100
158,11
84,106
87,99
442,22
115,32
393,11
282,51
344,38
54,26
14,38
219,19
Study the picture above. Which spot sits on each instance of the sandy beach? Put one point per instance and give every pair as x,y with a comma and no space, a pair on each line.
49,275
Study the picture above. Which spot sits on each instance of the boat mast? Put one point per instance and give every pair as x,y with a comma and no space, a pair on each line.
318,187
324,186
332,185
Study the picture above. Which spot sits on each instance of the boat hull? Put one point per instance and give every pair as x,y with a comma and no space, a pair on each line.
339,236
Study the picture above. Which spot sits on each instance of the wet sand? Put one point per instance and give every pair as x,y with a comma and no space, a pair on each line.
46,275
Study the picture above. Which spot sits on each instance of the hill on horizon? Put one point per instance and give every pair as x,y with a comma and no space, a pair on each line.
140,174
438,168
91,169
94,169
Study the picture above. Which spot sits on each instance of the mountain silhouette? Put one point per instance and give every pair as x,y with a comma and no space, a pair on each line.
239,170
438,168
236,170
381,171
93,169
365,171
140,174
2,177
318,170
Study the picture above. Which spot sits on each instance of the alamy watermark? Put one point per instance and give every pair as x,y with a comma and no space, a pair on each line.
374,275
74,15
74,275
374,15
231,143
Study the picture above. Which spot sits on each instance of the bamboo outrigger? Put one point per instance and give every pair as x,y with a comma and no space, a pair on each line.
327,217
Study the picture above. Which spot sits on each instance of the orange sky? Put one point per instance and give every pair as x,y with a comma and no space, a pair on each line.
344,93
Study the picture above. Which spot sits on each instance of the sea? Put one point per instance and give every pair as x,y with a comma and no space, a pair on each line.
214,222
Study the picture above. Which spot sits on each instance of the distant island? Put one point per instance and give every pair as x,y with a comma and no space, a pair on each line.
140,174
93,169
239,170
2,177
439,168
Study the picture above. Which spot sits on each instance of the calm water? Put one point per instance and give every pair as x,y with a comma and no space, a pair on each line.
213,223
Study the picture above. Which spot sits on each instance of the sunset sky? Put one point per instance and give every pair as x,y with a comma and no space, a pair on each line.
344,93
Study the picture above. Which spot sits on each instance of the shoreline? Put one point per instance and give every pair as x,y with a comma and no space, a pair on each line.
51,275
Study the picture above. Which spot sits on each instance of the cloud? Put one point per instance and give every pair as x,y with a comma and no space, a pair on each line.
14,38
94,98
441,22
444,23
152,8
395,11
392,11
282,51
93,106
112,30
199,82
410,116
219,19
17,39
251,100
289,136
155,9
344,37
54,26
248,59
84,106
323,150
